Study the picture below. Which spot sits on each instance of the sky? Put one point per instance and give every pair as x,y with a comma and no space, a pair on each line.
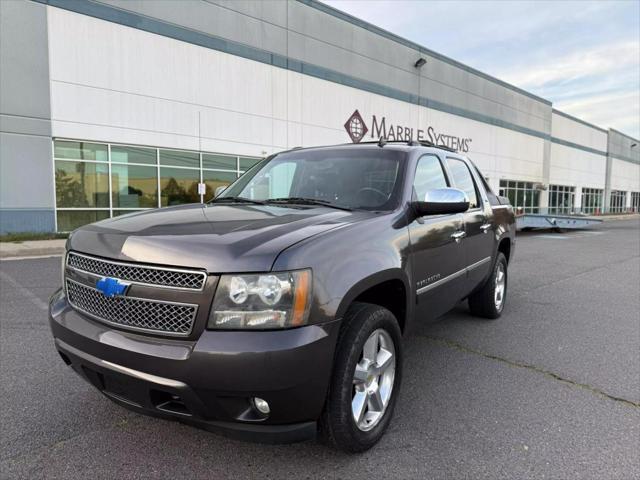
582,55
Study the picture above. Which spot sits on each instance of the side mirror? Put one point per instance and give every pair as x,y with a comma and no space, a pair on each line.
219,190
442,201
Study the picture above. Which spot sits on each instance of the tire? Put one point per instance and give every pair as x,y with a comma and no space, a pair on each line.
338,425
488,302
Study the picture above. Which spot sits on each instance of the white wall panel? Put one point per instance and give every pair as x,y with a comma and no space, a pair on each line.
577,132
625,176
570,166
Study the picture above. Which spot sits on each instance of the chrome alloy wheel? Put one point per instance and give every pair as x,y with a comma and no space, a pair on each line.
373,380
501,280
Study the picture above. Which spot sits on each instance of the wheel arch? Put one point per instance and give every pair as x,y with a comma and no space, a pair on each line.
504,247
389,289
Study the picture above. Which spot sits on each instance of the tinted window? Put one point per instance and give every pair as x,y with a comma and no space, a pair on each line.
429,176
463,180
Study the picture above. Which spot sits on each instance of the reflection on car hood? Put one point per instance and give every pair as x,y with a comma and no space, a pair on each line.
218,238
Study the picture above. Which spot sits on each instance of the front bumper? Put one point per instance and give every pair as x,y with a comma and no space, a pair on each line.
208,382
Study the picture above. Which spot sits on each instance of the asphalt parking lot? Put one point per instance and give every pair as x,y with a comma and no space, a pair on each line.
550,390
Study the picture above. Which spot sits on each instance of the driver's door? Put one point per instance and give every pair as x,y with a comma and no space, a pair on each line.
437,257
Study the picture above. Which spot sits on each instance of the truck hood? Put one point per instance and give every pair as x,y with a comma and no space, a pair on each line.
218,238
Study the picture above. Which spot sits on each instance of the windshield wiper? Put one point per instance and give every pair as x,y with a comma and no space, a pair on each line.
307,201
237,200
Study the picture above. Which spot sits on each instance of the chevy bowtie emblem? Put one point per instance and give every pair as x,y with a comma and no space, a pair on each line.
355,127
111,287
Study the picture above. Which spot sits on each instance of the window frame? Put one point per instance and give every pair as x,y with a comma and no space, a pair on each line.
445,174
479,197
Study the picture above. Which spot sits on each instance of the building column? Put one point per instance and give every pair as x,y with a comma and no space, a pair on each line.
494,183
606,201
543,201
577,199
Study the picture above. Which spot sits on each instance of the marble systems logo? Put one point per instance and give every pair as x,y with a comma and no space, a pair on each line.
356,127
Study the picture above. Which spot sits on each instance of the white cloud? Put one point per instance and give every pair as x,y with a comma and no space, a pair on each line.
597,61
619,110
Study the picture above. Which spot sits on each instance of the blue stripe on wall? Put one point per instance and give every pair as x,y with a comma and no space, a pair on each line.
27,220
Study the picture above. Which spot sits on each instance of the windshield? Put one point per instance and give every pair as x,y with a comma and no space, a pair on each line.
347,177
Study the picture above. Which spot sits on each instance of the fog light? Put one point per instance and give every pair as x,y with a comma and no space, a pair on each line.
261,405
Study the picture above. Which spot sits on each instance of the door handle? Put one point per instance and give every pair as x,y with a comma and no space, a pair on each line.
457,236
485,228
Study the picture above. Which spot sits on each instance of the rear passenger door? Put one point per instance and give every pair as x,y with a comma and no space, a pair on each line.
479,240
437,259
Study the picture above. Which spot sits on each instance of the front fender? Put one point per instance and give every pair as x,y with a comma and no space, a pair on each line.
376,279
346,261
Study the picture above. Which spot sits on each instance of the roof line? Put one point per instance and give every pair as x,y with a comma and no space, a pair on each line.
579,120
624,135
416,46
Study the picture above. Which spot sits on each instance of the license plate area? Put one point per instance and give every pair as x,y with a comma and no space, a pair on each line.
119,387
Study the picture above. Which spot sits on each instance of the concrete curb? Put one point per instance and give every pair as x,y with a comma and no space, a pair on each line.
33,248
610,218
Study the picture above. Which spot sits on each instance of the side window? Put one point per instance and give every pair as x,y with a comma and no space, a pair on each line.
463,180
493,199
429,176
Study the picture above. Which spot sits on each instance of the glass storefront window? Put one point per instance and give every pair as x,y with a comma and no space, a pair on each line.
117,213
141,178
635,202
180,158
69,220
214,180
220,162
124,154
561,199
134,186
592,200
178,185
81,184
524,196
618,202
80,150
247,162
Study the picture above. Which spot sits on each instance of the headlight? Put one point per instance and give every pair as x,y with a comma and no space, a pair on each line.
262,301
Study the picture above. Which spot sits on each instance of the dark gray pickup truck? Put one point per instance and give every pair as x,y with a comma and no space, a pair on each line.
277,310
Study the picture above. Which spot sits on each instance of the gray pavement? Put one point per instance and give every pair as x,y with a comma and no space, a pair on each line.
550,390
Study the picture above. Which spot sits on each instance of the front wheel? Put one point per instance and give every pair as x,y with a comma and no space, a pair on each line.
366,379
488,302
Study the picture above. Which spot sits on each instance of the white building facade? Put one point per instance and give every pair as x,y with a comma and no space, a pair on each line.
109,107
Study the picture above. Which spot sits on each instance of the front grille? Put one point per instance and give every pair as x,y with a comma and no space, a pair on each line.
144,274
133,313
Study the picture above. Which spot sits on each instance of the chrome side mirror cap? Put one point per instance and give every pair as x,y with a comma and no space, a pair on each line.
219,190
442,201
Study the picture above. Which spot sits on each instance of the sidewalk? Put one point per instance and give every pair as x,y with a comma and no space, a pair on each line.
31,248
609,218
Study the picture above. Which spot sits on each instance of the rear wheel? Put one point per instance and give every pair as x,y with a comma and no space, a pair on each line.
366,379
488,302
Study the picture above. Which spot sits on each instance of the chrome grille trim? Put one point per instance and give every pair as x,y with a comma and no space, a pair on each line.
140,274
132,313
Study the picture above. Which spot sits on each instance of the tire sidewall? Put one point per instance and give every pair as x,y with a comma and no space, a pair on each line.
499,260
367,320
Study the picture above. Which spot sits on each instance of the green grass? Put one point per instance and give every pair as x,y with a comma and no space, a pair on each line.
26,236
